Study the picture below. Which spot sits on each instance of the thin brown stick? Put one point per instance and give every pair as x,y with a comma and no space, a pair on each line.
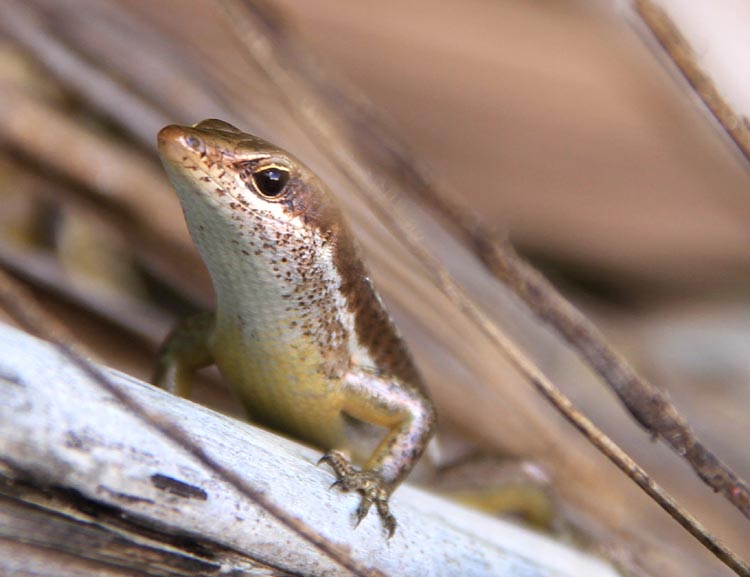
679,51
22,308
308,95
648,405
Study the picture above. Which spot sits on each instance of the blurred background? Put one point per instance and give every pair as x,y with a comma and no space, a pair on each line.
559,125
552,120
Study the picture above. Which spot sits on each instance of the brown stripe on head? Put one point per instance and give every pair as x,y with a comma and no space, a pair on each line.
308,200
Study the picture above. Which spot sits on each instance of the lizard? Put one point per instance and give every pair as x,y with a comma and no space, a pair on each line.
298,332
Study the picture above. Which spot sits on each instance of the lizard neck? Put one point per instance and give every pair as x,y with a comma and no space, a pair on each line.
295,286
278,286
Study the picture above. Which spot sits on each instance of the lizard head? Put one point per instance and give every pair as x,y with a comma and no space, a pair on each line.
244,178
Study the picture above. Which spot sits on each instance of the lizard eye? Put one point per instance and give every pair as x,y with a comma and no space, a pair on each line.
271,182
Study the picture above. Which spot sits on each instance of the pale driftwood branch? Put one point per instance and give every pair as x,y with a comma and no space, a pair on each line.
87,488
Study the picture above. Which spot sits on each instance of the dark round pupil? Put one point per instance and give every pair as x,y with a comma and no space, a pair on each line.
271,181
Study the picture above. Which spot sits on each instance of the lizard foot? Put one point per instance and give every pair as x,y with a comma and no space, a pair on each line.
368,484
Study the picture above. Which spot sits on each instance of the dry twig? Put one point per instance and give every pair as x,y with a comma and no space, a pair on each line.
678,49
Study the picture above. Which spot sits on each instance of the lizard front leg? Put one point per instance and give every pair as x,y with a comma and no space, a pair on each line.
410,418
183,352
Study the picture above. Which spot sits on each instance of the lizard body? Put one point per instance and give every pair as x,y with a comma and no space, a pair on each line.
299,332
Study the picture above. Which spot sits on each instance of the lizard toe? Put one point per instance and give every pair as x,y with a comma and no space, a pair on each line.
367,483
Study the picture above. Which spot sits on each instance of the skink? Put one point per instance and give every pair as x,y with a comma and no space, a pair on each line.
299,332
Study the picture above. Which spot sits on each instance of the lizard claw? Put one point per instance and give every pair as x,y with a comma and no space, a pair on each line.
368,484
324,459
389,521
363,509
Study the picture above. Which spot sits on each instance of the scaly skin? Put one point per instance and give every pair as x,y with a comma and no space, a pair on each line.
298,332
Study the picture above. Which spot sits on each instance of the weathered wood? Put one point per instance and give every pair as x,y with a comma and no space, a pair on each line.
89,489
